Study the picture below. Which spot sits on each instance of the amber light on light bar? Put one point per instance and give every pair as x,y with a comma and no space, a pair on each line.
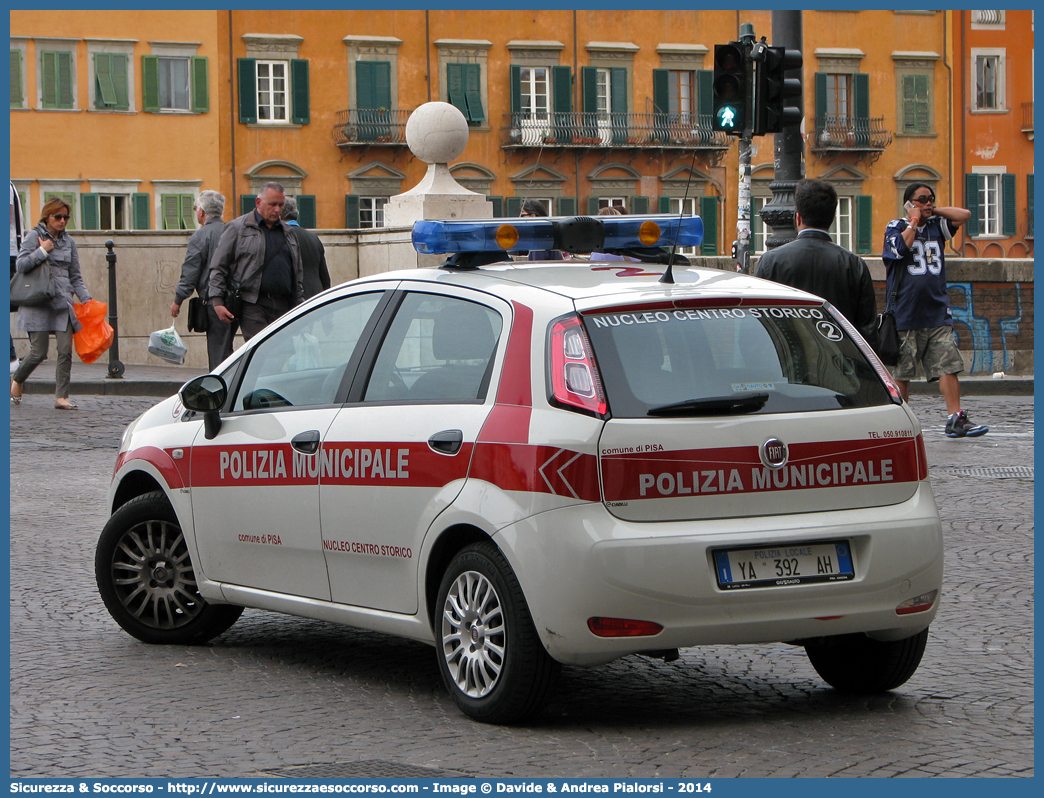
621,627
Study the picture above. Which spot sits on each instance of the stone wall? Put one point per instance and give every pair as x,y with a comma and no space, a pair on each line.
992,300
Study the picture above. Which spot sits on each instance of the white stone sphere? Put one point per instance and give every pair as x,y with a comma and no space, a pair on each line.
437,132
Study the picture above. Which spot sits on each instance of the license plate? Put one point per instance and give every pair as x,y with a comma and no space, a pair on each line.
785,564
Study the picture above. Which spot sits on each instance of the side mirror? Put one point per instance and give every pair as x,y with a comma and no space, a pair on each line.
206,395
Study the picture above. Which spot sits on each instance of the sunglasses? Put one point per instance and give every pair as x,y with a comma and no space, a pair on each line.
924,200
64,216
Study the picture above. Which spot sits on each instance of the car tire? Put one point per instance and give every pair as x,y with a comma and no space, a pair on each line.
489,653
146,579
859,664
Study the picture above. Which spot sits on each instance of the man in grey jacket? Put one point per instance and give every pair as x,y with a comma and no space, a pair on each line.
195,274
258,254
814,263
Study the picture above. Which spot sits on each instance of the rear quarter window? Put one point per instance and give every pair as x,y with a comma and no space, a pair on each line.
799,356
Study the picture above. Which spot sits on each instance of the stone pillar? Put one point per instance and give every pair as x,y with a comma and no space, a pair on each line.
436,133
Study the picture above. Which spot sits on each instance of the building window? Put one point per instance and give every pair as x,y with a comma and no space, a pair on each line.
991,199
174,91
174,79
757,226
841,229
272,91
988,82
110,82
535,92
57,80
916,104
464,84
113,212
371,211
685,206
838,93
605,104
680,94
177,210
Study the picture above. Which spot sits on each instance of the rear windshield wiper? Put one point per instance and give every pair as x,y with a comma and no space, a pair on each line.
713,405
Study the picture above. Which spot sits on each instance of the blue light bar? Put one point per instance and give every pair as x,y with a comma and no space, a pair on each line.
569,233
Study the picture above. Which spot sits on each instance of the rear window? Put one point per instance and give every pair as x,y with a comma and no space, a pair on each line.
712,361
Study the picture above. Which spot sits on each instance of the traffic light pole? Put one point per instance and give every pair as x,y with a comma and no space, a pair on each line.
743,216
789,147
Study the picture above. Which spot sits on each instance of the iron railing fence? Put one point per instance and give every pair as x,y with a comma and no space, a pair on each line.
359,127
612,130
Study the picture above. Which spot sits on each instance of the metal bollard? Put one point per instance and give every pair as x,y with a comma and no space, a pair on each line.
116,367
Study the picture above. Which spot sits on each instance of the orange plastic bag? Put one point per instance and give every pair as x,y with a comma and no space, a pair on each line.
96,335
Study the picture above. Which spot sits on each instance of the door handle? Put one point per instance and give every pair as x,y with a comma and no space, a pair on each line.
306,442
446,442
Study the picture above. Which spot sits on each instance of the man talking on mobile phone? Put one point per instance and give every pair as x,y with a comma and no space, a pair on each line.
913,257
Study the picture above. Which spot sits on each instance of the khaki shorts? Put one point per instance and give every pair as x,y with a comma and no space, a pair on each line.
934,348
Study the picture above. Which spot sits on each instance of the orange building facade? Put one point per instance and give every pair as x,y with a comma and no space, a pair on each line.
576,108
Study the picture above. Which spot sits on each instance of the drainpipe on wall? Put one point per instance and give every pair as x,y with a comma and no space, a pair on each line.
427,48
232,111
576,105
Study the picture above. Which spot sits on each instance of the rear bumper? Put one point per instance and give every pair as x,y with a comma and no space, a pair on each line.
580,562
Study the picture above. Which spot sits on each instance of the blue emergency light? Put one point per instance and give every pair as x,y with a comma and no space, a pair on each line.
576,234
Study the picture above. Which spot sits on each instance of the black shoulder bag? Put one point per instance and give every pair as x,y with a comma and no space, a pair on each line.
887,334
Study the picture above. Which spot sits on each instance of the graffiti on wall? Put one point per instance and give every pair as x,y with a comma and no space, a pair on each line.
989,353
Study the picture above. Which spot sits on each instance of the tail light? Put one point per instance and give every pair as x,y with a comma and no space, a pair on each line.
622,627
574,377
922,458
921,603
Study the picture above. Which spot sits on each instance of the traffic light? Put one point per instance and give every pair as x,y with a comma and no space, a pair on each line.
730,88
773,91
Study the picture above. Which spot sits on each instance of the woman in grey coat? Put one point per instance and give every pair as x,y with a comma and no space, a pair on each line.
48,246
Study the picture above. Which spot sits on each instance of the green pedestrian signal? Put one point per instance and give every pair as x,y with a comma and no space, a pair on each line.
730,88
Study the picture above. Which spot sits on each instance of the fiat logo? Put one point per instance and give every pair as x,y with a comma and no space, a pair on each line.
774,453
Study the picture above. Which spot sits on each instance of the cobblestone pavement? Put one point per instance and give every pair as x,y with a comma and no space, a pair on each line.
281,696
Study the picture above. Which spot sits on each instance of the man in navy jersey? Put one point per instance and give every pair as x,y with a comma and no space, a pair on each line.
913,257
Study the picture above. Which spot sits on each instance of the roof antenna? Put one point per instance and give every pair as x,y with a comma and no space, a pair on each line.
668,275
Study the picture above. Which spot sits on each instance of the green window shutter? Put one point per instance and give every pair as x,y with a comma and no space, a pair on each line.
562,85
1009,213
104,90
498,206
618,76
351,211
566,206
118,64
49,79
473,92
515,87
170,206
971,202
864,224
89,205
639,204
306,210
861,97
562,102
455,88
1029,205
300,99
65,80
589,81
140,205
69,198
821,104
247,203
17,100
705,93
512,206
185,212
592,206
661,91
200,84
664,204
709,214
150,84
247,90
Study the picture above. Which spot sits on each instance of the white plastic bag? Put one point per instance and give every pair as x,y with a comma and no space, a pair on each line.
167,344
306,353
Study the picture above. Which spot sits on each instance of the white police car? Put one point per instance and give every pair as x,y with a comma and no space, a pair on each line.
540,463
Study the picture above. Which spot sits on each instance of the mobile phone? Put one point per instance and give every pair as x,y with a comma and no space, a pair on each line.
909,206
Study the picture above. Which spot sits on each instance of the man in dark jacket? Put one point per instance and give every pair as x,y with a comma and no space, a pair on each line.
195,274
814,263
313,254
260,255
